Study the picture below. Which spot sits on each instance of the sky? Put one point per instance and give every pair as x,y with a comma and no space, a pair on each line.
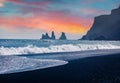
29,19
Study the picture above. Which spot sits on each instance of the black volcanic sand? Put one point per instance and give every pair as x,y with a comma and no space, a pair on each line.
100,69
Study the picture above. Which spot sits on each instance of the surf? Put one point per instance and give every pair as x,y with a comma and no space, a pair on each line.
30,49
15,64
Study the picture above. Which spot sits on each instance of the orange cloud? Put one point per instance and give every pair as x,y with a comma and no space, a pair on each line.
57,20
49,22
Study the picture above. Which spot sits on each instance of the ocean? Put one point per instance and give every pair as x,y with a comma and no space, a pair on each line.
19,55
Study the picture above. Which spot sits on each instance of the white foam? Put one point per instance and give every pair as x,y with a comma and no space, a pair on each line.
51,49
12,64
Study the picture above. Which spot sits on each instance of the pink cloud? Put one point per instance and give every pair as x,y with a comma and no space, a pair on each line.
40,3
2,3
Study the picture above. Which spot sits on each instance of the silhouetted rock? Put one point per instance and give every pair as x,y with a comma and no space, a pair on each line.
63,36
46,36
105,27
53,36
43,36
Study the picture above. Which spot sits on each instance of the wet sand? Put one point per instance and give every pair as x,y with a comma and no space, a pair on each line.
99,69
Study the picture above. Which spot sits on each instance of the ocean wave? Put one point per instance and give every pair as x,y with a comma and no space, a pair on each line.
30,49
13,64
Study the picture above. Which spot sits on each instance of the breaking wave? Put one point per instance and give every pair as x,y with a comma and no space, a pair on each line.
13,64
30,49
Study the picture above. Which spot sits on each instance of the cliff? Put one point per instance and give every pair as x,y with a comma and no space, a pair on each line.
105,27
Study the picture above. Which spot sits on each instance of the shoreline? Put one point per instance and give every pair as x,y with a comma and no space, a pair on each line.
96,69
68,56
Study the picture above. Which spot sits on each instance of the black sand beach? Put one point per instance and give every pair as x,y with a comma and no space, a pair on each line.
100,69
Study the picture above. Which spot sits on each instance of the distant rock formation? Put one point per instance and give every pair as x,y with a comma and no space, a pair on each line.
46,36
105,27
53,36
63,36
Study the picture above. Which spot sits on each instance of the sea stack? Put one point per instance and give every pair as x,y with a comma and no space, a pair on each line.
63,36
105,27
53,36
46,36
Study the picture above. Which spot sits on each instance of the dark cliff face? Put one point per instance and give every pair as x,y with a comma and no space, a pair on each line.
105,27
63,36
